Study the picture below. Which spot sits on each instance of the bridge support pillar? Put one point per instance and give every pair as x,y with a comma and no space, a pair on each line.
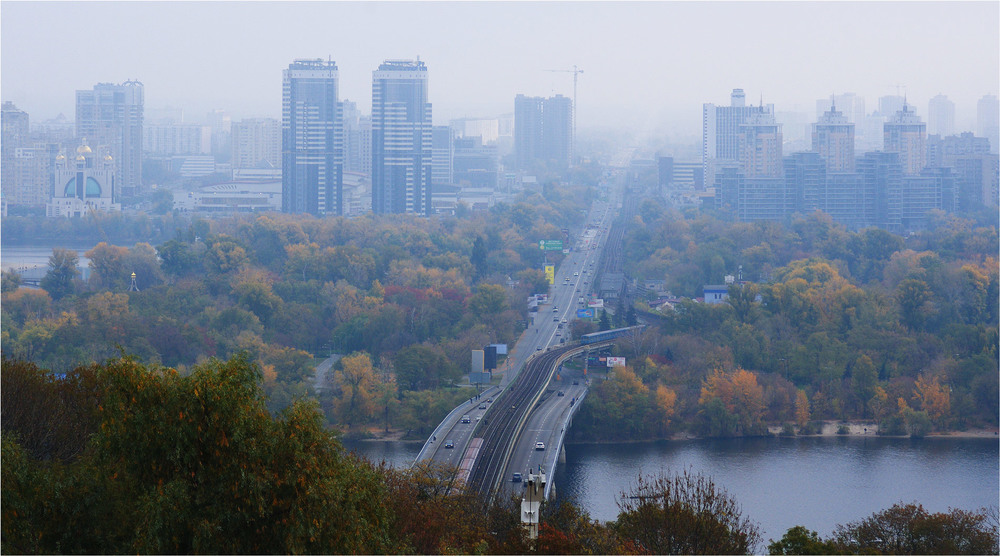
562,455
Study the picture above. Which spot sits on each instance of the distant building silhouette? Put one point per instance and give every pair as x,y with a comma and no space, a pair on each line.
988,120
112,115
543,131
940,116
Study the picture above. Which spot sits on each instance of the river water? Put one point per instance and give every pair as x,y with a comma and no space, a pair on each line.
817,482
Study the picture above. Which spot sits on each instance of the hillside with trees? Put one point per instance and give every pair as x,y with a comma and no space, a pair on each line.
404,298
828,324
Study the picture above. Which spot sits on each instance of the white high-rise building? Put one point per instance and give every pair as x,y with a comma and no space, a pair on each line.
256,143
940,116
721,132
112,115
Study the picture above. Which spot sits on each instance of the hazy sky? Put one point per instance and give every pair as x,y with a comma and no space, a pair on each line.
646,64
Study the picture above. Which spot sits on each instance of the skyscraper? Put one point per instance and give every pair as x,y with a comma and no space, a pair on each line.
401,139
112,115
833,139
14,138
311,139
760,146
442,158
906,134
527,130
543,130
940,116
988,120
721,133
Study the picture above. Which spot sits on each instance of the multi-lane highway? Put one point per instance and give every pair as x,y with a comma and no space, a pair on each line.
502,410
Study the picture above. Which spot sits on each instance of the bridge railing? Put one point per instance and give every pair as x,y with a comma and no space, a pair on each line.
446,423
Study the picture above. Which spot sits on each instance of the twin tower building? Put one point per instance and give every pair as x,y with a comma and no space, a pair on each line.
313,142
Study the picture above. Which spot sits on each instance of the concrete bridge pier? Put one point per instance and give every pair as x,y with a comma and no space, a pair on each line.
562,454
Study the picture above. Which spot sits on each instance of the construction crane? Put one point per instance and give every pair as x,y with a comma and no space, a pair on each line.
575,71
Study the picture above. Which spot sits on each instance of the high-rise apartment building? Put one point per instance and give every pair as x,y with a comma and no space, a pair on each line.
760,146
833,139
889,105
988,120
940,116
442,156
401,139
256,143
721,133
906,134
312,154
15,129
351,117
543,131
112,115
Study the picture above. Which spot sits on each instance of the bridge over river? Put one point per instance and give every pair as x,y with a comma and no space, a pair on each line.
518,425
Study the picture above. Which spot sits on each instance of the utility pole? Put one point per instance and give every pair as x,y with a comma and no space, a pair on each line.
576,72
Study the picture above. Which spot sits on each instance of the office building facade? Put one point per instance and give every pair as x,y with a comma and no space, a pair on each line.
721,126
112,115
402,153
760,146
312,153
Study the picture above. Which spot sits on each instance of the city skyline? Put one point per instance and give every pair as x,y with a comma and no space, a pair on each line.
647,65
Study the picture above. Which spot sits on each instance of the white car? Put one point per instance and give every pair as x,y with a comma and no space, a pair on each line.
539,445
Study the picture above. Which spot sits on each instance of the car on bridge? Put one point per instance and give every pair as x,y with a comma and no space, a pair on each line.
466,419
516,478
449,444
539,445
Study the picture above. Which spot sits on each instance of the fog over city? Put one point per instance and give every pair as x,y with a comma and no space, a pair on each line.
648,66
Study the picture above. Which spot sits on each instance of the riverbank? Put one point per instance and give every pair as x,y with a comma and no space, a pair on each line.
828,428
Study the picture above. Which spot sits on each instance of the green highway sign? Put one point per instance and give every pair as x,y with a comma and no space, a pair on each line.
550,244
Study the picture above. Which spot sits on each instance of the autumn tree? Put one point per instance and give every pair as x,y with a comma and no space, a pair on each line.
801,408
354,396
685,513
934,397
740,395
910,529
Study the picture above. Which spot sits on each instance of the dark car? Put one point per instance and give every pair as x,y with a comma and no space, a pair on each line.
516,478
560,393
449,444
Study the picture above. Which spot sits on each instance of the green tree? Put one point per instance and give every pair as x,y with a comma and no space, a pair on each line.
61,278
799,540
9,281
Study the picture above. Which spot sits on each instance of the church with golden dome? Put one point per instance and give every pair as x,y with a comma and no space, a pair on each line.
84,183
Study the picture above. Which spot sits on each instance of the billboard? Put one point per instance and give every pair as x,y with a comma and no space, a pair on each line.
616,361
596,303
478,359
550,244
501,348
550,273
584,313
490,360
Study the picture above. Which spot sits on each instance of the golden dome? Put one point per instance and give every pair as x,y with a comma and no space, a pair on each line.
107,157
80,158
60,157
82,149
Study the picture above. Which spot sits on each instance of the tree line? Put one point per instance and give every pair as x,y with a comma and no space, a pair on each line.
404,298
827,324
123,457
